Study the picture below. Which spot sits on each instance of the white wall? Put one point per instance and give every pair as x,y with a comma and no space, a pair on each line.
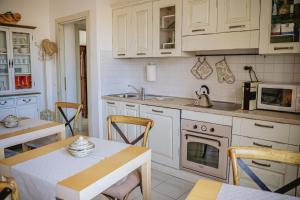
175,79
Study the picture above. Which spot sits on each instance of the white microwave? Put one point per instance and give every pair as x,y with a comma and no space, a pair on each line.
279,97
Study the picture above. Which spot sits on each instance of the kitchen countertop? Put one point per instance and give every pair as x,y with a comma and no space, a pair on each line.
19,94
181,103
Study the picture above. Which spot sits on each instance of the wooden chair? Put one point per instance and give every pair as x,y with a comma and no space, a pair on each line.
8,187
59,111
123,188
236,155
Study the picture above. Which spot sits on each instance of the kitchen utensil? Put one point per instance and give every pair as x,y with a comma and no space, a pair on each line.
203,97
10,121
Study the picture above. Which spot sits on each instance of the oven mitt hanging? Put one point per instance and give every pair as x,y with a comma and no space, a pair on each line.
195,69
202,70
224,72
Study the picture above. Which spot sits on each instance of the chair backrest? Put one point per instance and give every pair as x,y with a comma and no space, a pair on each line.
8,186
236,155
112,121
68,105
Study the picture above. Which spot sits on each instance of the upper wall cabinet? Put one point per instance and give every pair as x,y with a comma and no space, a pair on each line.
238,15
199,17
280,25
16,60
210,25
167,28
142,30
121,32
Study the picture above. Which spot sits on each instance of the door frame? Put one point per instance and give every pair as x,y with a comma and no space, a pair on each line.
59,32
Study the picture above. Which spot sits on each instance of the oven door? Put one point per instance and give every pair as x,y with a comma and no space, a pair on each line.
204,153
277,97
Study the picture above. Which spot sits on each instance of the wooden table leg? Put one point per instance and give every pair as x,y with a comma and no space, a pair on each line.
2,155
62,134
146,180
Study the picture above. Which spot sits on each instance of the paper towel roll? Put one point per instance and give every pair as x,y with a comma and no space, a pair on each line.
151,72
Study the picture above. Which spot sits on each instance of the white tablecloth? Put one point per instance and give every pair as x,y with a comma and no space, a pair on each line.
37,178
23,124
231,192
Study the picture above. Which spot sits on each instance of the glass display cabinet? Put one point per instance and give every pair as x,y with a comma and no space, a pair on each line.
15,60
280,28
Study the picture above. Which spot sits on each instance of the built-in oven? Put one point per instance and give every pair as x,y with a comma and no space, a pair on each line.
204,148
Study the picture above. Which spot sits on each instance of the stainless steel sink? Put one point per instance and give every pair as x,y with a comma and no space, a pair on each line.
137,96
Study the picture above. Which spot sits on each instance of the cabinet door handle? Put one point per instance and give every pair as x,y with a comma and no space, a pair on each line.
262,145
263,125
111,103
141,54
9,63
12,63
261,164
26,100
128,105
198,30
283,48
164,53
237,26
157,111
2,103
121,54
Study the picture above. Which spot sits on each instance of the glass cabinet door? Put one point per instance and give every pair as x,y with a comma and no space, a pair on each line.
22,60
285,21
4,62
167,28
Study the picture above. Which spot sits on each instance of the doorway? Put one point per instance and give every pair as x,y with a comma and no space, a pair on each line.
73,69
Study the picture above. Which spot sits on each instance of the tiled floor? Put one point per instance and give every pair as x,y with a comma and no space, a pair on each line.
164,187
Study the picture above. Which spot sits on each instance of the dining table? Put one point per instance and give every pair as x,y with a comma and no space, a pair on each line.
28,130
213,190
51,172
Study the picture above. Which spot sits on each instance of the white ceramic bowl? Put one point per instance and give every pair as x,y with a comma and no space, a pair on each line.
81,147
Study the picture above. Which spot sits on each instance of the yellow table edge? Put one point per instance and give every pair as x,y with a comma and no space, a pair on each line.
28,155
205,190
28,130
85,178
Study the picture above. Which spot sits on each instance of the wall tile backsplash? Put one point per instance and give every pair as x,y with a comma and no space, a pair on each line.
175,79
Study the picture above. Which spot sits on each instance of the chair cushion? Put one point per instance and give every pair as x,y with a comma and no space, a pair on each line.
124,186
42,141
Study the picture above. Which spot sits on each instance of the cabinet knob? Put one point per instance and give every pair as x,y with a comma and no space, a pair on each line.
195,126
212,130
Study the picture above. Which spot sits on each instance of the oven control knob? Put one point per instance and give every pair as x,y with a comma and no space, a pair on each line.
203,128
212,130
195,127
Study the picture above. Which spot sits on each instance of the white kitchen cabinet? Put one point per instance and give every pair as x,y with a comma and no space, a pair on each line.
20,106
122,32
238,15
16,60
199,17
248,132
279,32
167,28
121,108
142,30
30,111
164,137
7,111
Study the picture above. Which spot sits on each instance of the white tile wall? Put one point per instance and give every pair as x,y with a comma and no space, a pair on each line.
174,77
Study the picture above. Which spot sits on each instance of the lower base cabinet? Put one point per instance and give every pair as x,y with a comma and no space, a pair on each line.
20,106
273,174
164,137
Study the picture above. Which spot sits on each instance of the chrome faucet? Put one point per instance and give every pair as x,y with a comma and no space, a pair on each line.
141,92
